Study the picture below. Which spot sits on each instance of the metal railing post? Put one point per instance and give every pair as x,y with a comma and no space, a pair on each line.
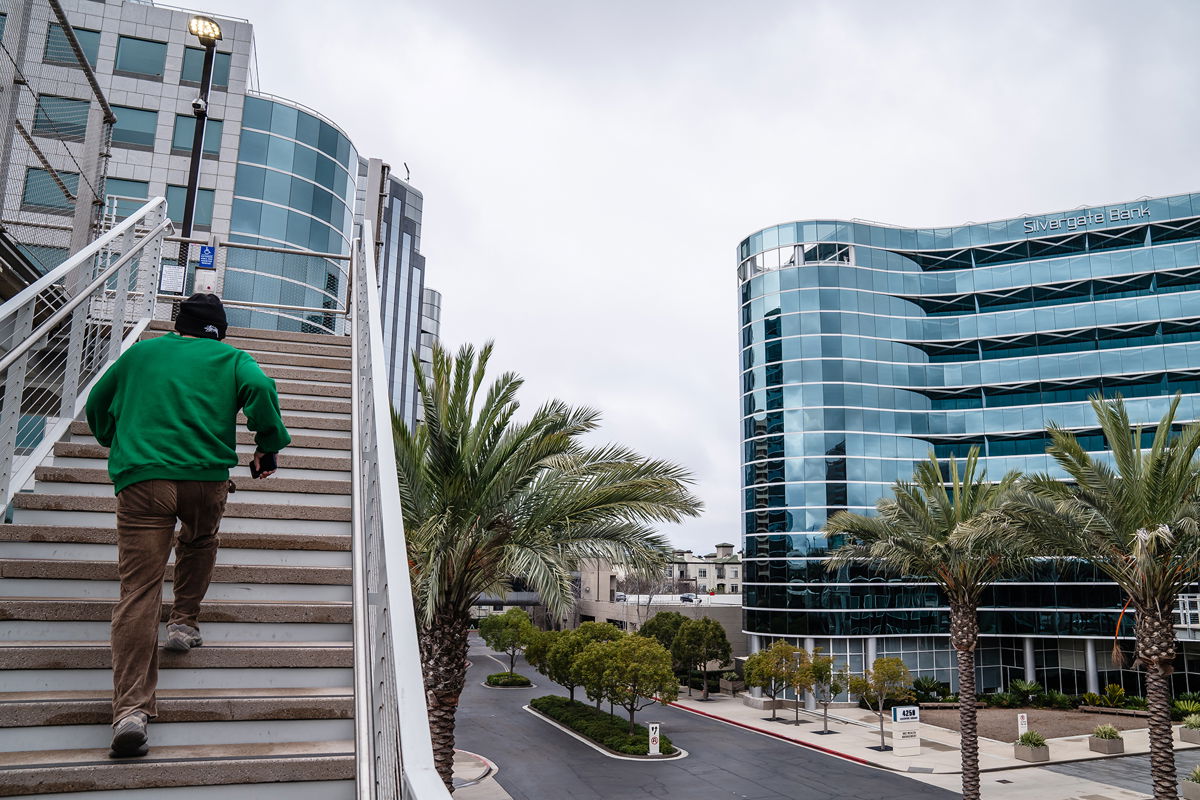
14,393
117,332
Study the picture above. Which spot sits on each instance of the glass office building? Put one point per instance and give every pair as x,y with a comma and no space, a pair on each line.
866,347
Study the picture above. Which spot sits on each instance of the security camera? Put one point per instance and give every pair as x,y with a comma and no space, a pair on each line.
199,106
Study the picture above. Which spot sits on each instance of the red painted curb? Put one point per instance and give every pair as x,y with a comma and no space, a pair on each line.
802,743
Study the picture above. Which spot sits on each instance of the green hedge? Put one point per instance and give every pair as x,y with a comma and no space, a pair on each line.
602,728
507,679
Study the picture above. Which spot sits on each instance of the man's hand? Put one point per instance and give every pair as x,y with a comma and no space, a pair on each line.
257,463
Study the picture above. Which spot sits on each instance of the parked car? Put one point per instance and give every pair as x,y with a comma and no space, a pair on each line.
687,598
620,597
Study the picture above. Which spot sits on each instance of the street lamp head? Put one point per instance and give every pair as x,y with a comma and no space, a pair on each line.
205,29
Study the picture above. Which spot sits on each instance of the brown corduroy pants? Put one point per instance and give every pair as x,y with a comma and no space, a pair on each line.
146,516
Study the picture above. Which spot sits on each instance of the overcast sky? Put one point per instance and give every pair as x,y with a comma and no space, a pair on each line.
590,167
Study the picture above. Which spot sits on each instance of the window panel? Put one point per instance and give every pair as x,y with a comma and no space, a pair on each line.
132,195
176,199
136,127
185,129
141,57
59,50
193,67
61,117
43,193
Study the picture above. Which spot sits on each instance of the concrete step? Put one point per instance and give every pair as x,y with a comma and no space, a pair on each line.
311,424
234,509
314,389
315,375
225,655
337,346
238,519
217,591
178,705
214,632
321,441
292,790
328,766
258,334
229,540
52,570
50,609
293,462
265,357
294,401
62,475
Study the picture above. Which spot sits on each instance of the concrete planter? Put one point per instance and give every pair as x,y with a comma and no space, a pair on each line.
1191,736
733,687
1190,790
762,703
1023,753
1107,746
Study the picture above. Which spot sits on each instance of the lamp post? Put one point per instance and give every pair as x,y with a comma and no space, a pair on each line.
209,33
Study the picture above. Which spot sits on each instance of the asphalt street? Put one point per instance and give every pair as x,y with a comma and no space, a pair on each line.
538,762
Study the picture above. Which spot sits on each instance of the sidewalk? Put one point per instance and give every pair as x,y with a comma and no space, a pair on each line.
474,778
857,731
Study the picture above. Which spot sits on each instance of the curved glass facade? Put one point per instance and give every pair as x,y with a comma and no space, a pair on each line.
295,188
866,347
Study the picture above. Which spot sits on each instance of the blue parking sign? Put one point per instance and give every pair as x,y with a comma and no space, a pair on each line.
208,256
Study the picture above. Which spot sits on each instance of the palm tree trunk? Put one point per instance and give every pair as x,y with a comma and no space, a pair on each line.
964,634
1156,651
444,662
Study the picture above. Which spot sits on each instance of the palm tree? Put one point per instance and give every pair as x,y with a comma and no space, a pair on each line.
486,497
1135,520
925,531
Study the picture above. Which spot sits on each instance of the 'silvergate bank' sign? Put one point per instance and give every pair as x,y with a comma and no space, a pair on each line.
1086,218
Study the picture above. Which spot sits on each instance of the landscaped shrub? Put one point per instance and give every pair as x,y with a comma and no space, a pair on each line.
1193,776
1184,708
1004,700
1091,699
929,689
1027,691
1058,700
696,680
1192,722
1114,696
1031,739
1188,696
1106,732
507,679
602,728
1137,703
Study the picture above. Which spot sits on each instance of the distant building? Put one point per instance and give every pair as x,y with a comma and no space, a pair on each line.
719,572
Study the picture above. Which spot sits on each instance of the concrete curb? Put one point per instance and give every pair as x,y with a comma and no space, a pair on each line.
604,750
486,769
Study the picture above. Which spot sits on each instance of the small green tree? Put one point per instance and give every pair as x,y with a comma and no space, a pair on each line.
800,679
506,633
560,656
827,682
662,627
630,672
888,679
537,648
698,642
769,669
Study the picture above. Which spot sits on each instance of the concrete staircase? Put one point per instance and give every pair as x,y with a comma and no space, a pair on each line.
265,708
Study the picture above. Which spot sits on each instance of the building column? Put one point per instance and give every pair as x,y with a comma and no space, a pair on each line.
755,643
1089,665
1030,663
810,699
872,647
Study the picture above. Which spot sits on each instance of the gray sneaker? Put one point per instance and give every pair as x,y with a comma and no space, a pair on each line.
182,638
129,736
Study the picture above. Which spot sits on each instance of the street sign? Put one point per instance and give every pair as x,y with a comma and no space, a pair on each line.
1022,724
655,728
906,713
208,257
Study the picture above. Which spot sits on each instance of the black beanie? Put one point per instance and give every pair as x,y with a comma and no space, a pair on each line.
202,315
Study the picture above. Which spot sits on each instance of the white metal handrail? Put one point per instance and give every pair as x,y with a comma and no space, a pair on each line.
394,750
59,335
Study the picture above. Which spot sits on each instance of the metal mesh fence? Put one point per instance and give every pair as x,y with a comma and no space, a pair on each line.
56,131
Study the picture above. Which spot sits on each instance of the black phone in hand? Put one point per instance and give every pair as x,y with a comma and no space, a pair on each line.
267,464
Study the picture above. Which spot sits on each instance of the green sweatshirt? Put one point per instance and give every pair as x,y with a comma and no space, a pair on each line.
168,409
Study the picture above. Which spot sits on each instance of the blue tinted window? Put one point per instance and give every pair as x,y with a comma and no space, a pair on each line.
43,257
141,57
193,67
135,126
59,50
3,21
131,195
44,193
256,113
60,117
185,130
177,199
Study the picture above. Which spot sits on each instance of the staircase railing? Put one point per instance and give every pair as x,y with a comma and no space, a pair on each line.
58,335
394,751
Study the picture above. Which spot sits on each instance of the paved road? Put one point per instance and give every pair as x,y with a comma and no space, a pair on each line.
1130,772
539,762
